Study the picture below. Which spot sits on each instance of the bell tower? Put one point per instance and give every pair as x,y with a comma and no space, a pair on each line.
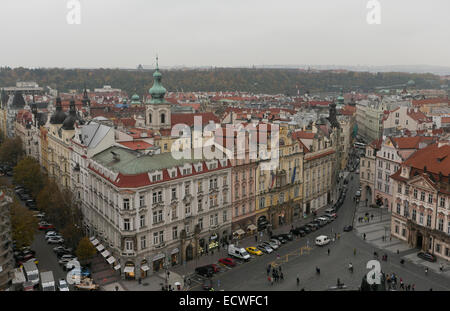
157,112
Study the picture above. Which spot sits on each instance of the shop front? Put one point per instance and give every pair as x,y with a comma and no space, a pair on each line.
201,246
158,262
144,268
213,242
238,234
129,271
174,257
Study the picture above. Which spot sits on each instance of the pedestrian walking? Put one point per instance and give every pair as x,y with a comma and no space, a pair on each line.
298,280
426,271
364,236
354,252
413,287
441,267
338,236
279,268
328,252
256,238
371,216
281,276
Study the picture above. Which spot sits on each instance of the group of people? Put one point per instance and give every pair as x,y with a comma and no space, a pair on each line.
392,280
277,274
365,218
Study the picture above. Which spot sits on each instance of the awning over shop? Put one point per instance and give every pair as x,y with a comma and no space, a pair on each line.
106,253
145,268
92,238
100,247
239,232
159,256
251,227
95,242
110,260
117,267
128,269
175,250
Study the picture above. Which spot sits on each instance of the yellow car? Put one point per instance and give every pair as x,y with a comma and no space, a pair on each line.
254,251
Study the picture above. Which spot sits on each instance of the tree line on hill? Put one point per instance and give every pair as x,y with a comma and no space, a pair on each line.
258,80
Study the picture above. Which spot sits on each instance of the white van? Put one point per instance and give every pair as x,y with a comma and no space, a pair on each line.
322,240
330,211
238,252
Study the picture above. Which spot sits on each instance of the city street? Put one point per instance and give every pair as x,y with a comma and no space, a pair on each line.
252,275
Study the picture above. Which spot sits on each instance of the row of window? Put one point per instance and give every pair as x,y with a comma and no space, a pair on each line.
421,218
158,236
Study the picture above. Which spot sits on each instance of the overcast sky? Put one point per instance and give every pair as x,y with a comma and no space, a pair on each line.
124,33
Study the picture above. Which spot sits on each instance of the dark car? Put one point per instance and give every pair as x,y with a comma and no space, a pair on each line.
318,223
348,228
206,271
298,232
287,236
30,203
427,256
305,229
215,267
312,226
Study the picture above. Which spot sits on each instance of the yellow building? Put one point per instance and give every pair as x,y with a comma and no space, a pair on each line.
60,132
279,191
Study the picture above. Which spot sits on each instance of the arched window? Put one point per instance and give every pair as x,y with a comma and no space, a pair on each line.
149,118
163,118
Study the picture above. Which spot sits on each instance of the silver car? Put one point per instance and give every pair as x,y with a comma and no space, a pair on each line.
271,244
265,248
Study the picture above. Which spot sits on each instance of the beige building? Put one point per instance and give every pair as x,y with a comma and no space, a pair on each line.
421,215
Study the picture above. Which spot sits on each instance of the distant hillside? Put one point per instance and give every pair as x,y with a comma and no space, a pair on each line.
269,81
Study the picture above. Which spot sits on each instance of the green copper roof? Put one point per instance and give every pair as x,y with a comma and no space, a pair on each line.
132,163
157,91
135,97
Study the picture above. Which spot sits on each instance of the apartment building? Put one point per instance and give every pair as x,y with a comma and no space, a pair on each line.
154,211
421,215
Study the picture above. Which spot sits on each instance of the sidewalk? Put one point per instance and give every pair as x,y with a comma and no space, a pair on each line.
380,227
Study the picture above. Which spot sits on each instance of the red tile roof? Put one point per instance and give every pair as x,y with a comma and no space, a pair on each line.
436,159
188,118
136,144
411,142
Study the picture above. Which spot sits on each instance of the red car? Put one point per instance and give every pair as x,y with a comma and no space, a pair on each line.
46,226
227,262
215,267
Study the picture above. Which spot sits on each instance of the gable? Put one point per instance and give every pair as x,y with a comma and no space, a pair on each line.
422,183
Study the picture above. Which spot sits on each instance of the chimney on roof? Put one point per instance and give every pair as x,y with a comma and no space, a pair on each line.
116,156
425,169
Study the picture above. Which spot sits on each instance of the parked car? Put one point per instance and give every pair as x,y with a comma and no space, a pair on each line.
298,231
206,271
51,233
328,217
265,248
30,203
275,241
230,262
427,256
281,239
314,226
287,236
61,248
271,244
55,240
45,226
254,251
215,267
305,229
348,228
66,258
332,215
63,286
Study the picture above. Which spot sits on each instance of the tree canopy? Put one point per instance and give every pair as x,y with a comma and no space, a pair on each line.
11,150
85,249
28,173
23,223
